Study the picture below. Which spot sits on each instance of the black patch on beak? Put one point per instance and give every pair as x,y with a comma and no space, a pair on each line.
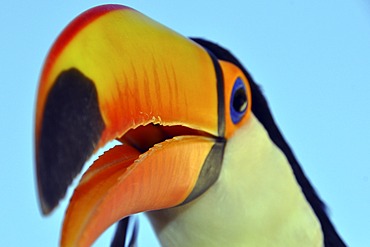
210,171
71,128
220,88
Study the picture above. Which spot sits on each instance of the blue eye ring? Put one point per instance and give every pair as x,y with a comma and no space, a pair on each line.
238,101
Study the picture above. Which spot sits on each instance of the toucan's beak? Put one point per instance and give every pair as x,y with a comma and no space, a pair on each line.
116,74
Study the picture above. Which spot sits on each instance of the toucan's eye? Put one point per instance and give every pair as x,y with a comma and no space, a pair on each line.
238,101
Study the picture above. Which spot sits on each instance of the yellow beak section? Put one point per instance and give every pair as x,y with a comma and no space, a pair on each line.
140,69
111,70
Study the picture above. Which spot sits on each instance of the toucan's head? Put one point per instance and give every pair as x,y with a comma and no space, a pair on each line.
174,103
115,74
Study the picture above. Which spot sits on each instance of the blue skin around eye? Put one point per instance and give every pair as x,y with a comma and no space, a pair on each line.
236,116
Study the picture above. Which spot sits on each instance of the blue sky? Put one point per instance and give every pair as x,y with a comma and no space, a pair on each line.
312,59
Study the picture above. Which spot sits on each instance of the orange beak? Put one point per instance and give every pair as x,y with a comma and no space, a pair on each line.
115,74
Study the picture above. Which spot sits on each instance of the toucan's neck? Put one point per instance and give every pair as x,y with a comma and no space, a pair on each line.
255,202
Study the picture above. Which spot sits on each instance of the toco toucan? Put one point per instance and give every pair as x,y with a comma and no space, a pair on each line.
199,150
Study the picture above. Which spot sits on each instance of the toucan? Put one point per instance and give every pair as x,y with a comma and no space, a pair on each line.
199,150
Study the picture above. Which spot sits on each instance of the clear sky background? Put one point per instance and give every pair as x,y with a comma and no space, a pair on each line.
312,59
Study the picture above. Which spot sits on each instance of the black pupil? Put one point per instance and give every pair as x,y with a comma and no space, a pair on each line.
240,100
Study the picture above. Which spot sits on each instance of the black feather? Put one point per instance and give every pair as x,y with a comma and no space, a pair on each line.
122,231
